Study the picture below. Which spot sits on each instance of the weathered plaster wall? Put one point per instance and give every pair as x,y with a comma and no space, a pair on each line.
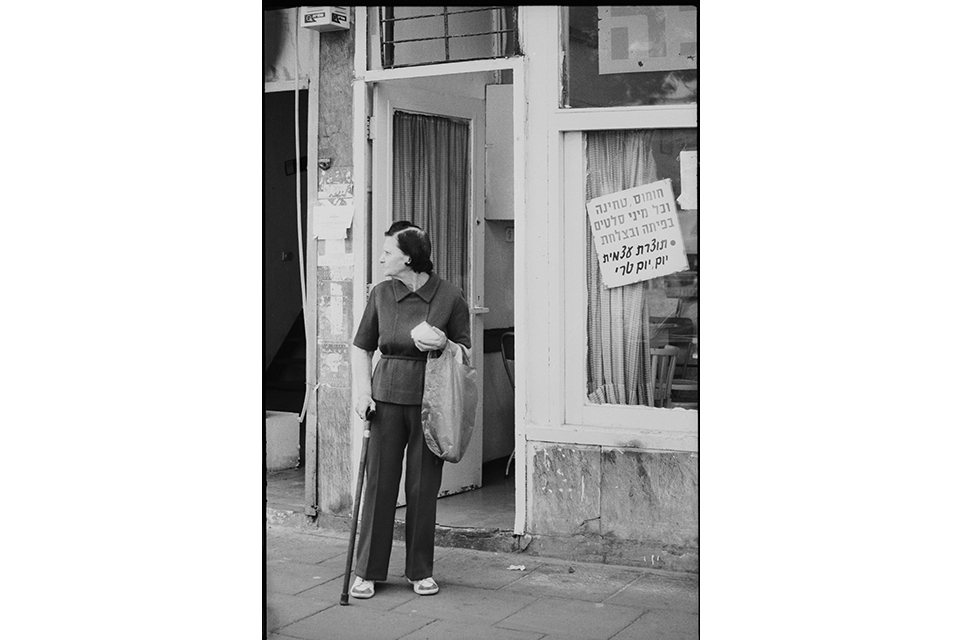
280,41
335,285
621,506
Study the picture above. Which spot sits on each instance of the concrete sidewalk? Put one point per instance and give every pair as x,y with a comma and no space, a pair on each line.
480,597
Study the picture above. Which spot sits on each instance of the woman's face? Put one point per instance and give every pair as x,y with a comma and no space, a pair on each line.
393,260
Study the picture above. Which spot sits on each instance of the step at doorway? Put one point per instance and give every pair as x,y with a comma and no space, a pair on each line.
489,507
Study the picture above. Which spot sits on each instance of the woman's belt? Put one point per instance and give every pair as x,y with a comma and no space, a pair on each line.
423,359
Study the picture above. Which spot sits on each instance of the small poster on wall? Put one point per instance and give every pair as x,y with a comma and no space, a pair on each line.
333,212
637,38
637,234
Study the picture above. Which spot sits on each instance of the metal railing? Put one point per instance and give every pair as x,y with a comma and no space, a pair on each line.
506,42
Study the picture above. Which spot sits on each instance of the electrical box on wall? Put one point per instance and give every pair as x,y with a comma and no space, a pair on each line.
325,18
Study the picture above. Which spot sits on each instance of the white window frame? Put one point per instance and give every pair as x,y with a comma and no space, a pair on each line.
654,428
574,419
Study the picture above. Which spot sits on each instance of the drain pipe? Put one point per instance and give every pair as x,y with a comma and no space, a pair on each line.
310,374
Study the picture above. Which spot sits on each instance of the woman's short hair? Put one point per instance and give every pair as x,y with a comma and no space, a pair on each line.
414,242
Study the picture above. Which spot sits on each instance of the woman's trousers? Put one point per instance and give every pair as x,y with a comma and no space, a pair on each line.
393,428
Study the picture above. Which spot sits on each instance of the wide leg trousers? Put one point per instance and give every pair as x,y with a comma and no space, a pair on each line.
393,428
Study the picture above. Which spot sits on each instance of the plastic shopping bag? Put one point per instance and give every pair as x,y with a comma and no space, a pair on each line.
450,403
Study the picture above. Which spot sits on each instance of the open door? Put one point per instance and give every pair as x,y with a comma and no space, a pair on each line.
391,104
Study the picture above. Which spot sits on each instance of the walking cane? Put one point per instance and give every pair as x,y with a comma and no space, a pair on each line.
345,596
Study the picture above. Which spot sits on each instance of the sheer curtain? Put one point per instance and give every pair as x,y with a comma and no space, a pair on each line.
431,180
618,328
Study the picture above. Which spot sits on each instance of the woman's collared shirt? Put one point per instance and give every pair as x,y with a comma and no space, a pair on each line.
392,311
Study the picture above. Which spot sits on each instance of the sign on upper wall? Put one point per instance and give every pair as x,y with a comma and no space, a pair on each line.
637,234
636,38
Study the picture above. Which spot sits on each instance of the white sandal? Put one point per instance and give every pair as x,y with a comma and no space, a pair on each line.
361,588
425,587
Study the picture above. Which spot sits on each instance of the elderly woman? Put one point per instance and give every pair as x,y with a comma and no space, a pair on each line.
411,294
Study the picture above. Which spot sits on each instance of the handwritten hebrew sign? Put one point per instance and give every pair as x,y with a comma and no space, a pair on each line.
637,234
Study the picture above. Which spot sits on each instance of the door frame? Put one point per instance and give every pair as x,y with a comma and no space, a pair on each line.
387,99
364,79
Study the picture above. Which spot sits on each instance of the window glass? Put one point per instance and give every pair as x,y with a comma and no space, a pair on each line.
642,268
429,35
629,55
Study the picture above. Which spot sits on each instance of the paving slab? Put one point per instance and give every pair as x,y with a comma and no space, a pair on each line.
482,569
479,597
283,609
302,547
583,620
292,578
396,570
466,604
579,581
398,559
387,595
355,623
652,591
450,630
662,625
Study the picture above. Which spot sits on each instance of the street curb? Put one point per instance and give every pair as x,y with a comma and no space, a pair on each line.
591,550
331,526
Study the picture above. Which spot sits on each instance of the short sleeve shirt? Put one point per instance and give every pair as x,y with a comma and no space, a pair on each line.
392,311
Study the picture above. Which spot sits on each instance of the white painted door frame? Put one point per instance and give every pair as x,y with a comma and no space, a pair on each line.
363,79
389,98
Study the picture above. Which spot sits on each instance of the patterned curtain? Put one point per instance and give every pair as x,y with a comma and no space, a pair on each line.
618,328
431,186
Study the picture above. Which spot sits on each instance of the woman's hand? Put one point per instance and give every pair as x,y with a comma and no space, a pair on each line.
364,404
431,343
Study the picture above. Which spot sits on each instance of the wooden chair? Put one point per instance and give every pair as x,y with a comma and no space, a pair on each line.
507,340
686,385
663,362
508,353
684,286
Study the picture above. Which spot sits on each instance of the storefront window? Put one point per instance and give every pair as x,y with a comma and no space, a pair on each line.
642,268
618,56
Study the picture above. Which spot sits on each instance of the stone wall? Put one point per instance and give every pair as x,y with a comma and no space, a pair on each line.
621,506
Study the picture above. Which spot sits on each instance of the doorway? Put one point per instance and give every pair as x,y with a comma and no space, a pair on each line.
284,331
477,492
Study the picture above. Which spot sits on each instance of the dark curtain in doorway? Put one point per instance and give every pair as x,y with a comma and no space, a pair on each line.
431,186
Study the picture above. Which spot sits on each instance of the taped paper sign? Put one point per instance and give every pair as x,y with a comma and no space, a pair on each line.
637,38
333,213
637,234
688,180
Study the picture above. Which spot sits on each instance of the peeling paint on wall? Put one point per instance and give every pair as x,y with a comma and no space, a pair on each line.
566,490
650,496
334,364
